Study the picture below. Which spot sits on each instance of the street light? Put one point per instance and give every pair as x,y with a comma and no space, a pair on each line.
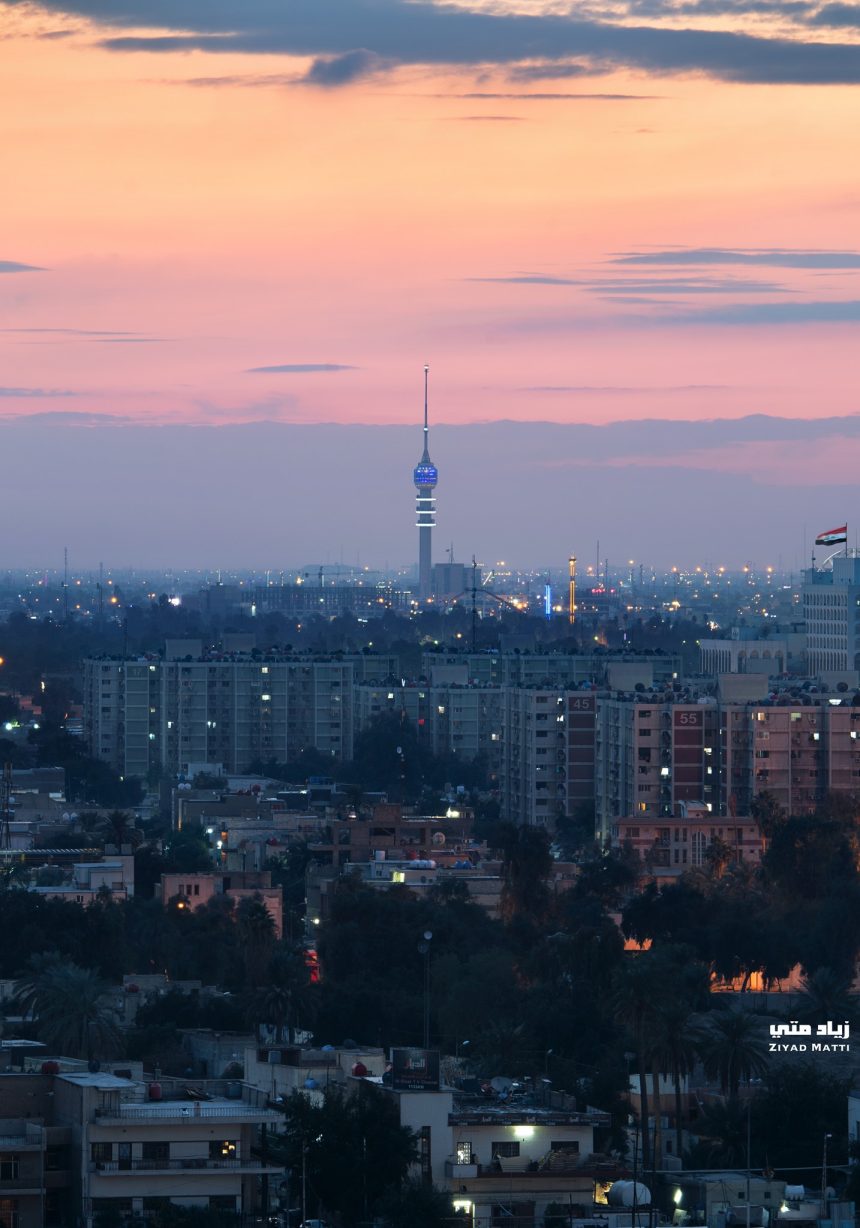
424,949
824,1178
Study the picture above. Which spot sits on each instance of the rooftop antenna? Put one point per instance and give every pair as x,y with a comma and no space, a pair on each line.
426,427
571,590
65,583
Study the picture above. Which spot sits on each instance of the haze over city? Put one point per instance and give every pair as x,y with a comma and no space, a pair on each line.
227,216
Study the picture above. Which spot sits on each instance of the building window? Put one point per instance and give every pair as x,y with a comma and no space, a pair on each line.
55,1159
9,1168
224,1150
9,1212
464,1153
123,1206
101,1153
565,1144
222,1202
504,1149
155,1151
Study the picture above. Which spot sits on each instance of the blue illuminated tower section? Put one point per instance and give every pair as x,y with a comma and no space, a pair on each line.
425,477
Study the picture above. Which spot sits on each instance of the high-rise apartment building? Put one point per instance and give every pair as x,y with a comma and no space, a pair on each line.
795,752
450,719
831,608
547,765
651,754
545,669
145,715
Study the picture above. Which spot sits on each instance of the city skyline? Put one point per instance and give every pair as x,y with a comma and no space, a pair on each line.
241,496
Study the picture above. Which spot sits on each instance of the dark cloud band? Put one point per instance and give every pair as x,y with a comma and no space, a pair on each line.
350,37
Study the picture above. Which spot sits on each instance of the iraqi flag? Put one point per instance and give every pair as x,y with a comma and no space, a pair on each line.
832,537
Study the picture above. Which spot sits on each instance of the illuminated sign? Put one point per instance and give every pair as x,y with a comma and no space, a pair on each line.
415,1070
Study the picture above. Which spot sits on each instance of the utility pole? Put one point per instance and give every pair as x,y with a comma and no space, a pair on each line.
424,949
824,1178
749,1134
304,1180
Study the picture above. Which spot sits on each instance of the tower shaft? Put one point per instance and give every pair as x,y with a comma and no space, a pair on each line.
425,562
425,477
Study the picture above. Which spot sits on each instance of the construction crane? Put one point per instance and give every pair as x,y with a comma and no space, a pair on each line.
485,593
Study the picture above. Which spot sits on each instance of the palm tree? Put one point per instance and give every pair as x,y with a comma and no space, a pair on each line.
504,1048
825,995
676,1036
14,874
119,828
635,996
718,857
272,1005
722,1130
257,930
31,985
69,1004
733,1048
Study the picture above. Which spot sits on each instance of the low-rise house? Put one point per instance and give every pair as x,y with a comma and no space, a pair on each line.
136,1149
511,1161
35,1155
278,1070
722,1198
195,890
87,881
670,846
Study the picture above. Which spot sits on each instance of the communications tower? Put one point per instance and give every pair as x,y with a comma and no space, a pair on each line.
425,476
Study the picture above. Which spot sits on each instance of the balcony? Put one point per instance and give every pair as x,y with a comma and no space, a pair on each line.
185,1164
455,1171
28,1184
182,1110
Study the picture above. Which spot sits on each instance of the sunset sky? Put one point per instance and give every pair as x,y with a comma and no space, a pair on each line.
217,212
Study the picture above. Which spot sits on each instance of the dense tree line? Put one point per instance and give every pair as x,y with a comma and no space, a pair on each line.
544,991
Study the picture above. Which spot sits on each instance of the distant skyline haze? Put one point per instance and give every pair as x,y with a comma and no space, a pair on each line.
265,218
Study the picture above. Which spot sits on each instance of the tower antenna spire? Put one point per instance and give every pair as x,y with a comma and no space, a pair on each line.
425,476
